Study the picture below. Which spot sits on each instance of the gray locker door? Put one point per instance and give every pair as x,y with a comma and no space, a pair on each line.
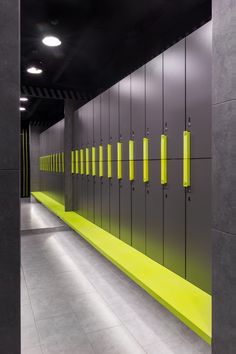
97,180
174,98
198,90
154,109
125,120
85,196
125,205
114,202
114,183
174,219
138,111
97,202
105,186
154,214
198,225
138,209
105,138
90,185
80,195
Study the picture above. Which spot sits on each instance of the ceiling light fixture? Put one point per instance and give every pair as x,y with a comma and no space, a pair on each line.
22,109
24,99
34,70
51,41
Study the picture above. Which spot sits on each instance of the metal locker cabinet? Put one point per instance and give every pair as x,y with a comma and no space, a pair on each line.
198,225
138,111
138,208
84,131
125,204
114,183
154,214
105,138
174,219
89,177
75,130
154,109
174,98
125,119
198,90
97,179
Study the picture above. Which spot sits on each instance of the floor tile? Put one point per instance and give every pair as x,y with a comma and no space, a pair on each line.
29,337
63,334
115,340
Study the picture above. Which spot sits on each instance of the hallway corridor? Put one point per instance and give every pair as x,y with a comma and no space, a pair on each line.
74,301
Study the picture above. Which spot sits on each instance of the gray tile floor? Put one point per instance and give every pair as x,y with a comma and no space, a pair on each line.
74,301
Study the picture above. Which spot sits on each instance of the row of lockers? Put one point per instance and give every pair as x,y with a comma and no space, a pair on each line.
166,97
52,140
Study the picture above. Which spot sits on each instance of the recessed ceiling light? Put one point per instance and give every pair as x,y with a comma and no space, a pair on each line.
34,70
51,41
24,99
22,109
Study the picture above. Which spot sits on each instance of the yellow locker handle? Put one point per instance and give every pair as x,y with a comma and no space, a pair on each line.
72,162
145,160
93,161
100,161
131,160
76,161
87,161
59,162
109,161
163,159
119,160
186,158
81,161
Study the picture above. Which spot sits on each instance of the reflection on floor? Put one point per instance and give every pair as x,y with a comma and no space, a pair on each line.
76,302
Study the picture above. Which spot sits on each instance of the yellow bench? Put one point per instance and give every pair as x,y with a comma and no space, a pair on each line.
187,302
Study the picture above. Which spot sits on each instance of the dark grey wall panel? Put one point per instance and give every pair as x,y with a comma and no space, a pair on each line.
138,123
138,208
125,205
174,219
198,90
154,214
198,225
154,105
174,98
125,114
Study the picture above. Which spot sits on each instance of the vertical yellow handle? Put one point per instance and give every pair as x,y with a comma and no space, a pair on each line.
93,161
145,160
72,162
131,160
58,162
76,161
81,161
100,161
119,160
186,158
163,159
109,161
63,161
87,161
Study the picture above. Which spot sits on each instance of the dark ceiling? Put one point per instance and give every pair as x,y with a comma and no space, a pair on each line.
102,41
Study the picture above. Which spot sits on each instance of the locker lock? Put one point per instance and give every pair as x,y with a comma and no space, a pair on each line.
148,191
166,126
189,121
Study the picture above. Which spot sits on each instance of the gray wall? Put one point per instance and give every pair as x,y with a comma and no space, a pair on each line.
224,176
9,179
